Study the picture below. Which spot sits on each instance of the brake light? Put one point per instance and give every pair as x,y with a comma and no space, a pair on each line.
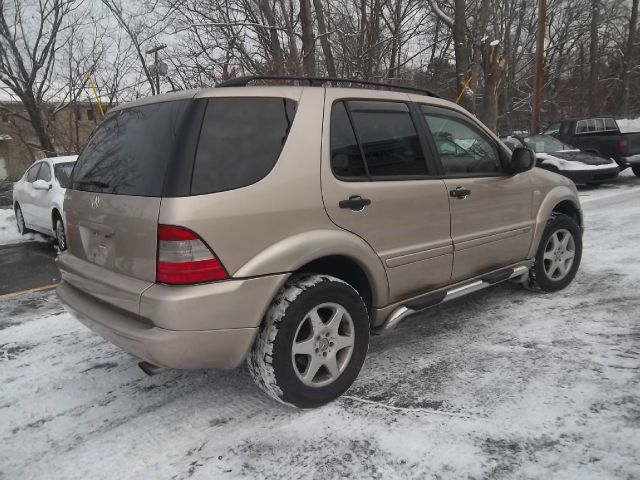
184,259
624,145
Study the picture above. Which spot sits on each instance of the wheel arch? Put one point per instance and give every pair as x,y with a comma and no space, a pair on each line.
333,252
569,208
561,199
346,269
55,213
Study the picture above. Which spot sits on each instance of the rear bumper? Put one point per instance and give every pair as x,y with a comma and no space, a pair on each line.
582,177
215,347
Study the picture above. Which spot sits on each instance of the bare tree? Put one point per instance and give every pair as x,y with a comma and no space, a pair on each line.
29,41
628,59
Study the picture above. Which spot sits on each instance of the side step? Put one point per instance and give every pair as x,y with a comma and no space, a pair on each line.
437,298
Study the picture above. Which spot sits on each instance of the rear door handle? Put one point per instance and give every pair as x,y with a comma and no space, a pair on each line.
460,192
355,202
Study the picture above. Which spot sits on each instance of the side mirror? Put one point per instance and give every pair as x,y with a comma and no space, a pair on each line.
522,160
41,185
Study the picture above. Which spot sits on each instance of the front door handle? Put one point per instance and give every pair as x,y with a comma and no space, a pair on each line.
460,192
355,202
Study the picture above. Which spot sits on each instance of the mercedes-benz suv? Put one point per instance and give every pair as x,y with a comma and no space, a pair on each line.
282,224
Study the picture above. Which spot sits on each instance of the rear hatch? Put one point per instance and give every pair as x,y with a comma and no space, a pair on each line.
114,201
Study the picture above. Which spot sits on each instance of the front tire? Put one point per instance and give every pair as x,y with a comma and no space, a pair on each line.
312,343
559,254
61,234
22,227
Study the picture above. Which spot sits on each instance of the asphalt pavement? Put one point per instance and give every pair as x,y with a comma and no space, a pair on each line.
27,266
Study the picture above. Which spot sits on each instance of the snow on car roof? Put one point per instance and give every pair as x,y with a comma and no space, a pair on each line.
66,158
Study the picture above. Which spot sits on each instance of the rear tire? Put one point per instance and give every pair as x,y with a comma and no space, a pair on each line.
636,170
22,227
558,256
312,343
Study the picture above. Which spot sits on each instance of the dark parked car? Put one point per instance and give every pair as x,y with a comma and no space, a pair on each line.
584,168
603,137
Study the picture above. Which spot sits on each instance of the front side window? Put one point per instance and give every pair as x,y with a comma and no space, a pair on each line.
381,131
44,173
62,171
240,142
32,173
464,149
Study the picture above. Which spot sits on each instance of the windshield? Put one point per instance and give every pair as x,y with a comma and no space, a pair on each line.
546,144
62,172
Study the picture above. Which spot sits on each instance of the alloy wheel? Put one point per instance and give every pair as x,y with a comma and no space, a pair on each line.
559,253
323,345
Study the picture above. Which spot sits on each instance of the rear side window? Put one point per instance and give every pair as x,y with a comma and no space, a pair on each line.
240,142
346,159
129,152
32,173
386,136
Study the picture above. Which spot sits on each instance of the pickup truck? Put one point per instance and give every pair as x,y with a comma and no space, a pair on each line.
601,136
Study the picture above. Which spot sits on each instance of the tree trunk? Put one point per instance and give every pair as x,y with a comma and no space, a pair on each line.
628,59
308,43
461,49
593,58
324,39
274,42
37,122
492,72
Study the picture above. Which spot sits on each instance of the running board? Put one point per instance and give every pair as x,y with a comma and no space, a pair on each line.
444,296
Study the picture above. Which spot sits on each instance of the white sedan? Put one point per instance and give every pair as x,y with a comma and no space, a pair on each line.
38,197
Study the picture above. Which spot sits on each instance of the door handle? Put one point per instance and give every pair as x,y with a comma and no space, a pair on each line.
460,192
355,202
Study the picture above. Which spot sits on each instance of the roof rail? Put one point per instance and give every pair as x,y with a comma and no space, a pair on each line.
319,81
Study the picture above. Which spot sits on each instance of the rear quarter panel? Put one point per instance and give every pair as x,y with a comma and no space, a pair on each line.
279,223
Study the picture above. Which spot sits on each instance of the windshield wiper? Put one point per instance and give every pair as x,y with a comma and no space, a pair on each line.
93,183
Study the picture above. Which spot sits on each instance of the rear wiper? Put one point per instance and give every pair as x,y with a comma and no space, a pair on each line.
93,183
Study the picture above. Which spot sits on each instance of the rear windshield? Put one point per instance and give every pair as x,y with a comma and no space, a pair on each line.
129,152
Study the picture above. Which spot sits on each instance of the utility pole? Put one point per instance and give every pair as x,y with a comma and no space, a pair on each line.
538,99
156,68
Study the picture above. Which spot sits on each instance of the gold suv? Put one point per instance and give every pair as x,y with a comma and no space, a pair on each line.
282,224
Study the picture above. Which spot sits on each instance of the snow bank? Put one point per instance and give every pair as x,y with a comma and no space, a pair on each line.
9,229
629,124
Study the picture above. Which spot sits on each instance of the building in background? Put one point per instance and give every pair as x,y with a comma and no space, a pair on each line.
69,127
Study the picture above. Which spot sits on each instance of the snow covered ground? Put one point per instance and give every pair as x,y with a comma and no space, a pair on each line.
9,233
503,384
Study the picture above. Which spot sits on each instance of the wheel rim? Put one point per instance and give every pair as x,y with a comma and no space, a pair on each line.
20,220
62,240
323,345
559,253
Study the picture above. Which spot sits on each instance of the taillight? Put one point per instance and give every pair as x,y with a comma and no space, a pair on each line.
184,259
624,145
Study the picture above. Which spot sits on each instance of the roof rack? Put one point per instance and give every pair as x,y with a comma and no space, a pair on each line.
319,81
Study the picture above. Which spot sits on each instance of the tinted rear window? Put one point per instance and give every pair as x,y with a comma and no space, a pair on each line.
129,152
240,142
